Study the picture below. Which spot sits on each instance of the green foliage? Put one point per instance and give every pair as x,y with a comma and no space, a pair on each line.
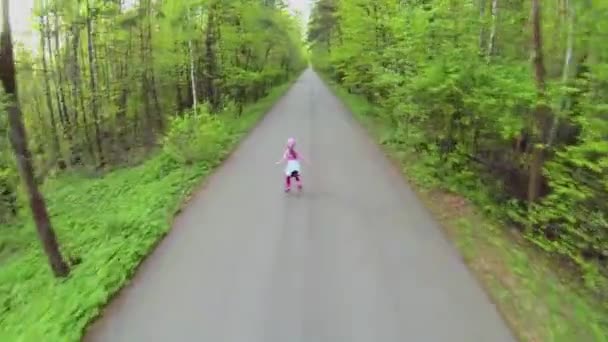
106,226
105,100
453,88
195,136
108,223
8,194
109,82
540,303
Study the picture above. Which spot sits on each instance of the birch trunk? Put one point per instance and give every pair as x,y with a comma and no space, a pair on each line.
492,42
565,103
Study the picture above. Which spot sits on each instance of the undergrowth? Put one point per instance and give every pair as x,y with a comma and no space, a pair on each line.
106,226
541,298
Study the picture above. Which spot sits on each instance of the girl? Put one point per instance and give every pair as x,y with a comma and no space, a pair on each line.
292,169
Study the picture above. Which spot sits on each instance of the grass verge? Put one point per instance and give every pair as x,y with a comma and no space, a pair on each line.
107,226
540,301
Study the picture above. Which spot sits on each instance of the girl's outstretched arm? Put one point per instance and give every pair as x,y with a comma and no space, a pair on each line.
282,158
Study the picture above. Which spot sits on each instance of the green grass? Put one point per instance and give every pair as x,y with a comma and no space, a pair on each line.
111,224
540,300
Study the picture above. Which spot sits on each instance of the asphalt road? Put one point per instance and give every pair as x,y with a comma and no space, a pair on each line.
354,257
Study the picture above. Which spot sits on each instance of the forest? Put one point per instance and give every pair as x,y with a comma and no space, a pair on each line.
502,101
124,106
115,116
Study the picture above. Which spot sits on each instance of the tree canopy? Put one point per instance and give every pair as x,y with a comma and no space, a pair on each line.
107,76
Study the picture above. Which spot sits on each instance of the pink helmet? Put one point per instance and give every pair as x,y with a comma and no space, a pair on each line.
291,142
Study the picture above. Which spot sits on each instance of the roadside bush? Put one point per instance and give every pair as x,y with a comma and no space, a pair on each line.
196,136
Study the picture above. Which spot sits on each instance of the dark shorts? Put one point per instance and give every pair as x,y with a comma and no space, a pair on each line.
295,174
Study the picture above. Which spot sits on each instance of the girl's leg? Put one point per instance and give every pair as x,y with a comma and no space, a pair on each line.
299,181
287,183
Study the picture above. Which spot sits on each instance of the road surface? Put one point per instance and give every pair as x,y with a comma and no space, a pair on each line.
354,258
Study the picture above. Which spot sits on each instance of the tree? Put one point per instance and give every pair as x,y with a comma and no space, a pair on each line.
538,153
18,138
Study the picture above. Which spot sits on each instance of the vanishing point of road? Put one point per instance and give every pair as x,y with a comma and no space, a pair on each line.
354,258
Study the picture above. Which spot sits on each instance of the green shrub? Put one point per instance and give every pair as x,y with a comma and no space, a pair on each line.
195,136
8,194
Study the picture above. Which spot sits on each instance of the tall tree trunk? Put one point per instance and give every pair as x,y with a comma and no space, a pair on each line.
540,113
94,91
72,103
482,26
69,65
22,153
152,86
77,89
192,75
179,101
568,55
121,115
107,70
211,64
492,43
149,133
160,125
54,65
37,107
47,89
192,71
59,66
